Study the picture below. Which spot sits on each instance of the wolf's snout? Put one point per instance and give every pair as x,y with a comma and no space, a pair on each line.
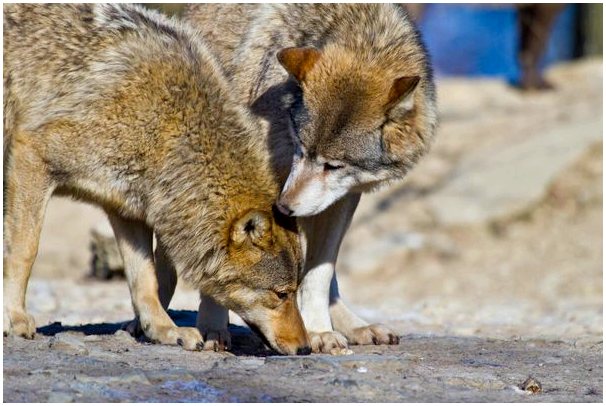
290,335
304,350
284,209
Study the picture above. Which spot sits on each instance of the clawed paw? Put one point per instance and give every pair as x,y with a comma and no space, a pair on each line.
376,334
187,337
329,342
217,340
19,324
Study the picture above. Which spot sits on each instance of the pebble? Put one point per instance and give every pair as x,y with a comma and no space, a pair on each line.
168,375
253,362
124,336
69,343
124,378
531,385
60,397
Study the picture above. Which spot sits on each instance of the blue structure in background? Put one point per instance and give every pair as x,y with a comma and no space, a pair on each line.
482,40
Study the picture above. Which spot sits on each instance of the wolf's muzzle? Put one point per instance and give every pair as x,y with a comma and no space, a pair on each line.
284,209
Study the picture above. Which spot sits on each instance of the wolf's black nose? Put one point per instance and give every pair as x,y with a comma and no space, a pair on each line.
284,209
304,350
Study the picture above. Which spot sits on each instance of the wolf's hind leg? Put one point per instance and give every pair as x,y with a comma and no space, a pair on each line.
28,188
213,322
135,242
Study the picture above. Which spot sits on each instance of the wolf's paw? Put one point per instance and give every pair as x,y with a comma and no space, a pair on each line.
329,342
187,337
217,340
373,334
18,323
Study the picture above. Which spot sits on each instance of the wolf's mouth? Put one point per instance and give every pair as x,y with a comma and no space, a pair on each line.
258,332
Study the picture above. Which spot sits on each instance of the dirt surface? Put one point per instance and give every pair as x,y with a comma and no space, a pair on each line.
106,368
487,260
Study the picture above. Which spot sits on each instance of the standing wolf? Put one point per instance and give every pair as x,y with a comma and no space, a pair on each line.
346,96
123,108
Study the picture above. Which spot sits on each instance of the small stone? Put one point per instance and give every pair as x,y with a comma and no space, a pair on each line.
124,336
253,362
93,338
531,385
155,377
123,378
342,351
69,343
347,383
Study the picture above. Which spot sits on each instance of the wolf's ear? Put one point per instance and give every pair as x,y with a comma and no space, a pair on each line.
254,227
299,61
401,95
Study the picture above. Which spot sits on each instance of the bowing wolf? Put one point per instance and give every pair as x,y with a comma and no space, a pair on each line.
123,108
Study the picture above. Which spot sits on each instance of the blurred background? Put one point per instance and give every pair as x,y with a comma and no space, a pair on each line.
497,232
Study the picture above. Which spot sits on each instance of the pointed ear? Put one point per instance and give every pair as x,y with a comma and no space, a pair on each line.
401,94
298,61
254,227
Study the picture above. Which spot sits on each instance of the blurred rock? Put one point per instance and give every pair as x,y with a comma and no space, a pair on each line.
502,182
45,300
106,257
64,241
132,378
368,257
124,337
71,343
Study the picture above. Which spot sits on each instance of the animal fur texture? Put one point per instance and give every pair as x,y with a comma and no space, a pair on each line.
121,107
346,96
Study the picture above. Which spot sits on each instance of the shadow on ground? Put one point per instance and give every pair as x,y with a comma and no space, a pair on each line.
244,341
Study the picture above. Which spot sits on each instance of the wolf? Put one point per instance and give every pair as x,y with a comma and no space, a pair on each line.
121,107
345,93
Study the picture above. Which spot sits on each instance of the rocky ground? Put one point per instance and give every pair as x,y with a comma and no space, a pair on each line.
487,260
107,368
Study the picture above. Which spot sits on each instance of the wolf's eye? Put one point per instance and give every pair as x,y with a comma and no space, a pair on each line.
282,295
332,167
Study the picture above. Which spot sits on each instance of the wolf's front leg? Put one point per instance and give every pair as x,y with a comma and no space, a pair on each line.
212,320
313,303
354,328
27,190
135,241
213,323
166,274
321,305
323,234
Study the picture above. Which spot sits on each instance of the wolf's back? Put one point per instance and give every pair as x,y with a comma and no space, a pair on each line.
243,36
79,53
223,25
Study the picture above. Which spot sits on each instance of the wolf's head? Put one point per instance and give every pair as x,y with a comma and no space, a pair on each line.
264,254
356,124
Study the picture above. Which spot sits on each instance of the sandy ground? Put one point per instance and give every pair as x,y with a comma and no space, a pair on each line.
487,260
